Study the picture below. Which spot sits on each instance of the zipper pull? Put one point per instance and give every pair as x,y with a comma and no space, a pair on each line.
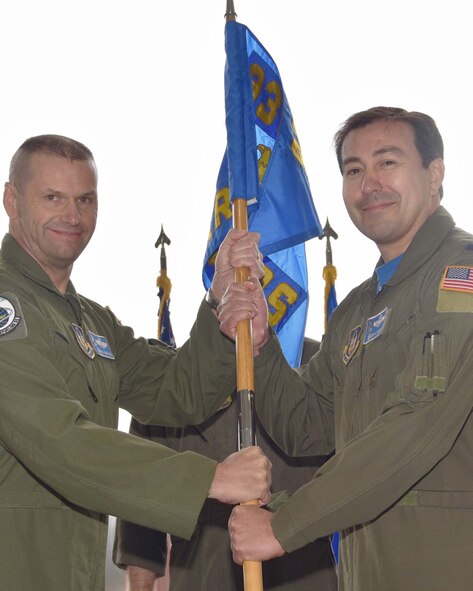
92,394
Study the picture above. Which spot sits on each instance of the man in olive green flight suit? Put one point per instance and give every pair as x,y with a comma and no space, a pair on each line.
391,387
205,562
67,364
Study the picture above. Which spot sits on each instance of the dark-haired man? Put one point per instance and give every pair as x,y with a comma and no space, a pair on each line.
391,387
67,364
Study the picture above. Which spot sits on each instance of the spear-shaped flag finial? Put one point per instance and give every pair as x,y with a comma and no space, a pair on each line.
329,274
328,232
160,242
164,285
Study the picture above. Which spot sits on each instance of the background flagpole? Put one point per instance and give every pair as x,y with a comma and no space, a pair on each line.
252,570
162,281
165,334
329,274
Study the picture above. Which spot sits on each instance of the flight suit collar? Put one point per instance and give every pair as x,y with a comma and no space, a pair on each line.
425,243
22,262
14,254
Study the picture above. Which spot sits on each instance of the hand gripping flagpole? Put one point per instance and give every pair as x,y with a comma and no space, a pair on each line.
252,570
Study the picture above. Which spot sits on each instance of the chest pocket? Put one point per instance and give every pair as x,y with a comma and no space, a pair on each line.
94,382
370,377
428,371
387,357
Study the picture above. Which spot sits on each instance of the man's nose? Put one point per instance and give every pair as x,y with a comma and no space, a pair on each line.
370,183
71,213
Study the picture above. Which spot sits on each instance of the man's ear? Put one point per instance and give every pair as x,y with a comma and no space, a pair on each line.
10,200
437,172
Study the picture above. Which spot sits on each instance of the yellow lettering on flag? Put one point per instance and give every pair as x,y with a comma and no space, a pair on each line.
222,206
296,147
281,294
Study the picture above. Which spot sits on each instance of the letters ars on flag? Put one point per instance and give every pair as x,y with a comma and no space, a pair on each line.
263,164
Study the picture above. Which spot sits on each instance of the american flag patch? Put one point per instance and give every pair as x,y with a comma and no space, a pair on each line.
458,279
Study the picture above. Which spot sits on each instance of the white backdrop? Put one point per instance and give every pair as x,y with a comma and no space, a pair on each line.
141,83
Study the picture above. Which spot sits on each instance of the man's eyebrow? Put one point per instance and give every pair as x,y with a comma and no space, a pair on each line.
350,160
380,151
388,149
89,194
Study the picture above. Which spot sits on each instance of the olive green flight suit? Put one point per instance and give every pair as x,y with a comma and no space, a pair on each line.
392,388
66,365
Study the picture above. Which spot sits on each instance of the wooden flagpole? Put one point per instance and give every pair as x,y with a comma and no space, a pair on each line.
252,570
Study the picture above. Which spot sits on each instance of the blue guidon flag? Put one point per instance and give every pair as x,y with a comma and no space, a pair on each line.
263,164
165,329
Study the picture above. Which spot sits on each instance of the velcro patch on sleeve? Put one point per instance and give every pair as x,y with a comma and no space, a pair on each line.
12,323
456,290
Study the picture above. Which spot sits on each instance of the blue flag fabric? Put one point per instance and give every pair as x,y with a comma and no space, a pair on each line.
330,296
263,164
331,300
165,333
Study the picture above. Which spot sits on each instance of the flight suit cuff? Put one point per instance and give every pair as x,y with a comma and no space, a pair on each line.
268,352
285,533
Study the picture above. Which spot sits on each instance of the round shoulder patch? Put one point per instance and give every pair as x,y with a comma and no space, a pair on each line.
9,319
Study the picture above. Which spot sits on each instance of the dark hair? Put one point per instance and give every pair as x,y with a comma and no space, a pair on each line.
427,137
54,145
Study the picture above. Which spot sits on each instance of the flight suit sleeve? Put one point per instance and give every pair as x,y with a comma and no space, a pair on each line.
295,405
161,385
46,426
135,544
417,427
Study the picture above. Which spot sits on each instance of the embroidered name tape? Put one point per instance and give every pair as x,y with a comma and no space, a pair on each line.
375,326
100,345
